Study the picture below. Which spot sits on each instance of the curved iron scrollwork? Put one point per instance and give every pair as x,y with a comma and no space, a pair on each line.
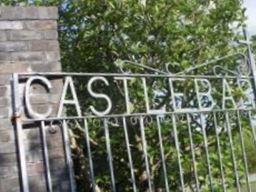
242,69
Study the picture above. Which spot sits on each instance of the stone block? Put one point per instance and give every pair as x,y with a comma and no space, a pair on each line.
6,124
5,112
35,185
52,56
8,148
27,13
48,13
10,184
40,25
60,175
23,13
4,102
46,99
8,171
41,108
43,45
32,134
53,141
46,67
61,185
4,91
22,56
37,88
48,56
56,153
22,35
35,156
11,25
3,36
18,67
35,168
38,167
50,35
7,136
32,146
5,80
57,164
10,46
8,159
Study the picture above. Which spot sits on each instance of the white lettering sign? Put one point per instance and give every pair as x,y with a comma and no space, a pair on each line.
199,93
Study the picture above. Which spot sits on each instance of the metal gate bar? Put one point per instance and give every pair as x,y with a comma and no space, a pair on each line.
46,158
219,153
129,155
243,151
19,133
192,152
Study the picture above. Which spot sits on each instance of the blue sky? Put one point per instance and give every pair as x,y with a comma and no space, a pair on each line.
251,14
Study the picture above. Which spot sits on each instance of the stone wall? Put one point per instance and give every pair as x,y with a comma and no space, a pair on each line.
29,43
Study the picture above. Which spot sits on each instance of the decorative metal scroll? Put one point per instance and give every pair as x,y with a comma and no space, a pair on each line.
240,68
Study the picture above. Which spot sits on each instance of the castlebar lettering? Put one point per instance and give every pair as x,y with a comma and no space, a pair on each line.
184,95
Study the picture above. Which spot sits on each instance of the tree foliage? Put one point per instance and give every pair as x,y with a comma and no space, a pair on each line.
179,33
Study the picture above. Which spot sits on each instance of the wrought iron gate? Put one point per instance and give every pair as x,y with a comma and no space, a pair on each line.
148,132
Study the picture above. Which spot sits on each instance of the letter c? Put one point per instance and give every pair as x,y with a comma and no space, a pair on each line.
28,105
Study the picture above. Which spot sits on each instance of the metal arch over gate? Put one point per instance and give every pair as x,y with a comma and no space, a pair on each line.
189,128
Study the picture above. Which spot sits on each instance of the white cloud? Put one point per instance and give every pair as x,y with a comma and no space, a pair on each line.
251,14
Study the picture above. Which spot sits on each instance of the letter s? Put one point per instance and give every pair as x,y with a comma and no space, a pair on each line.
99,95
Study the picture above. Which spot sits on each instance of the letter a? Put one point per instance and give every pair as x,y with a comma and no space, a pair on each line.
63,101
227,89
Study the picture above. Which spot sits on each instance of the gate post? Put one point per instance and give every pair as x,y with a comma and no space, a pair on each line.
28,43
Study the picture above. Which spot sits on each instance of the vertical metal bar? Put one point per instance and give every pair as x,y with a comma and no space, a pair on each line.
129,154
219,152
19,132
232,151
89,153
110,158
69,161
206,151
162,154
46,158
192,152
144,146
205,142
176,139
252,127
243,151
177,146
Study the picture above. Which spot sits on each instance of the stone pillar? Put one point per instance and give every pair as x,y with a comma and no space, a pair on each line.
29,43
